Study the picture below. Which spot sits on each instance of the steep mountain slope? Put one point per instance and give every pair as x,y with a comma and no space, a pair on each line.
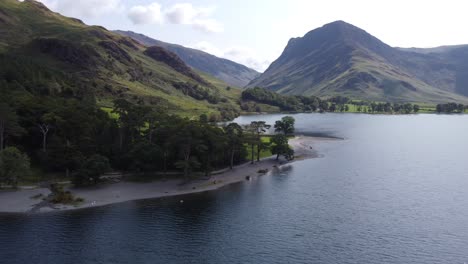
44,53
231,72
341,59
455,78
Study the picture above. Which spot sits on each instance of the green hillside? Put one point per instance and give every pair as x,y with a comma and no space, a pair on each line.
44,53
230,72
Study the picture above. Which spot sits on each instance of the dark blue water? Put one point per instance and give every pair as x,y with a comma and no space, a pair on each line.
394,191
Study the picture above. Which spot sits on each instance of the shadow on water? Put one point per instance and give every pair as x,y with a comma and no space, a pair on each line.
321,134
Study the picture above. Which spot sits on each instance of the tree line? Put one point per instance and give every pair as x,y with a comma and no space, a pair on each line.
81,141
298,103
373,107
450,108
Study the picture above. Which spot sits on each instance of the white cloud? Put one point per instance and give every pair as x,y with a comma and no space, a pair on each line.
84,8
239,54
178,14
150,14
208,25
186,13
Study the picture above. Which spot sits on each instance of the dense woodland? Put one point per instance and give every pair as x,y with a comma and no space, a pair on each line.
75,138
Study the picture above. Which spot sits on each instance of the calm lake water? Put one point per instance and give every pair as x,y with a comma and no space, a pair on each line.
394,191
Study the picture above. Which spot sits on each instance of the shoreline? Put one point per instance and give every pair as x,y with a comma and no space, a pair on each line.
29,201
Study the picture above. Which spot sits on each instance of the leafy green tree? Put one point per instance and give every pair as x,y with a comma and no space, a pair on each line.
285,125
258,128
144,157
188,165
122,108
9,125
165,131
261,146
13,166
280,146
152,118
250,137
324,106
235,136
203,118
408,108
213,142
45,125
92,169
187,139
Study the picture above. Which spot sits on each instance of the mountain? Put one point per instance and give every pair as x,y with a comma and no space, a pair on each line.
43,53
341,59
231,72
436,50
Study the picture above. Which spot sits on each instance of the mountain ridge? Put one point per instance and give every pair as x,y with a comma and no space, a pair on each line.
231,72
341,59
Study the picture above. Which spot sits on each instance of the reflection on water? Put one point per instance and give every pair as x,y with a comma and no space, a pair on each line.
394,191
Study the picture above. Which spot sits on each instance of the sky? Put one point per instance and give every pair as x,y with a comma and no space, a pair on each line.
255,32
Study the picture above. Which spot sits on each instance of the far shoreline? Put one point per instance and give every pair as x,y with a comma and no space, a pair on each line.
23,202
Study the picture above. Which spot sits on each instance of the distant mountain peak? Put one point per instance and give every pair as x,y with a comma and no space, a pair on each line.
232,73
342,59
339,23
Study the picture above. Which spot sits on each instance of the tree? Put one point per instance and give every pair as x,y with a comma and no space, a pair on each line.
213,142
280,147
122,108
144,157
13,165
415,108
285,125
408,108
9,125
187,165
92,169
324,106
258,127
152,119
261,146
165,131
234,135
45,125
203,118
186,140
251,139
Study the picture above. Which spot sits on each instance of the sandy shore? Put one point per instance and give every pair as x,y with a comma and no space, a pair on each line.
25,201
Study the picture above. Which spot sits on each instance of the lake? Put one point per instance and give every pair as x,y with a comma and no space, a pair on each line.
395,190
